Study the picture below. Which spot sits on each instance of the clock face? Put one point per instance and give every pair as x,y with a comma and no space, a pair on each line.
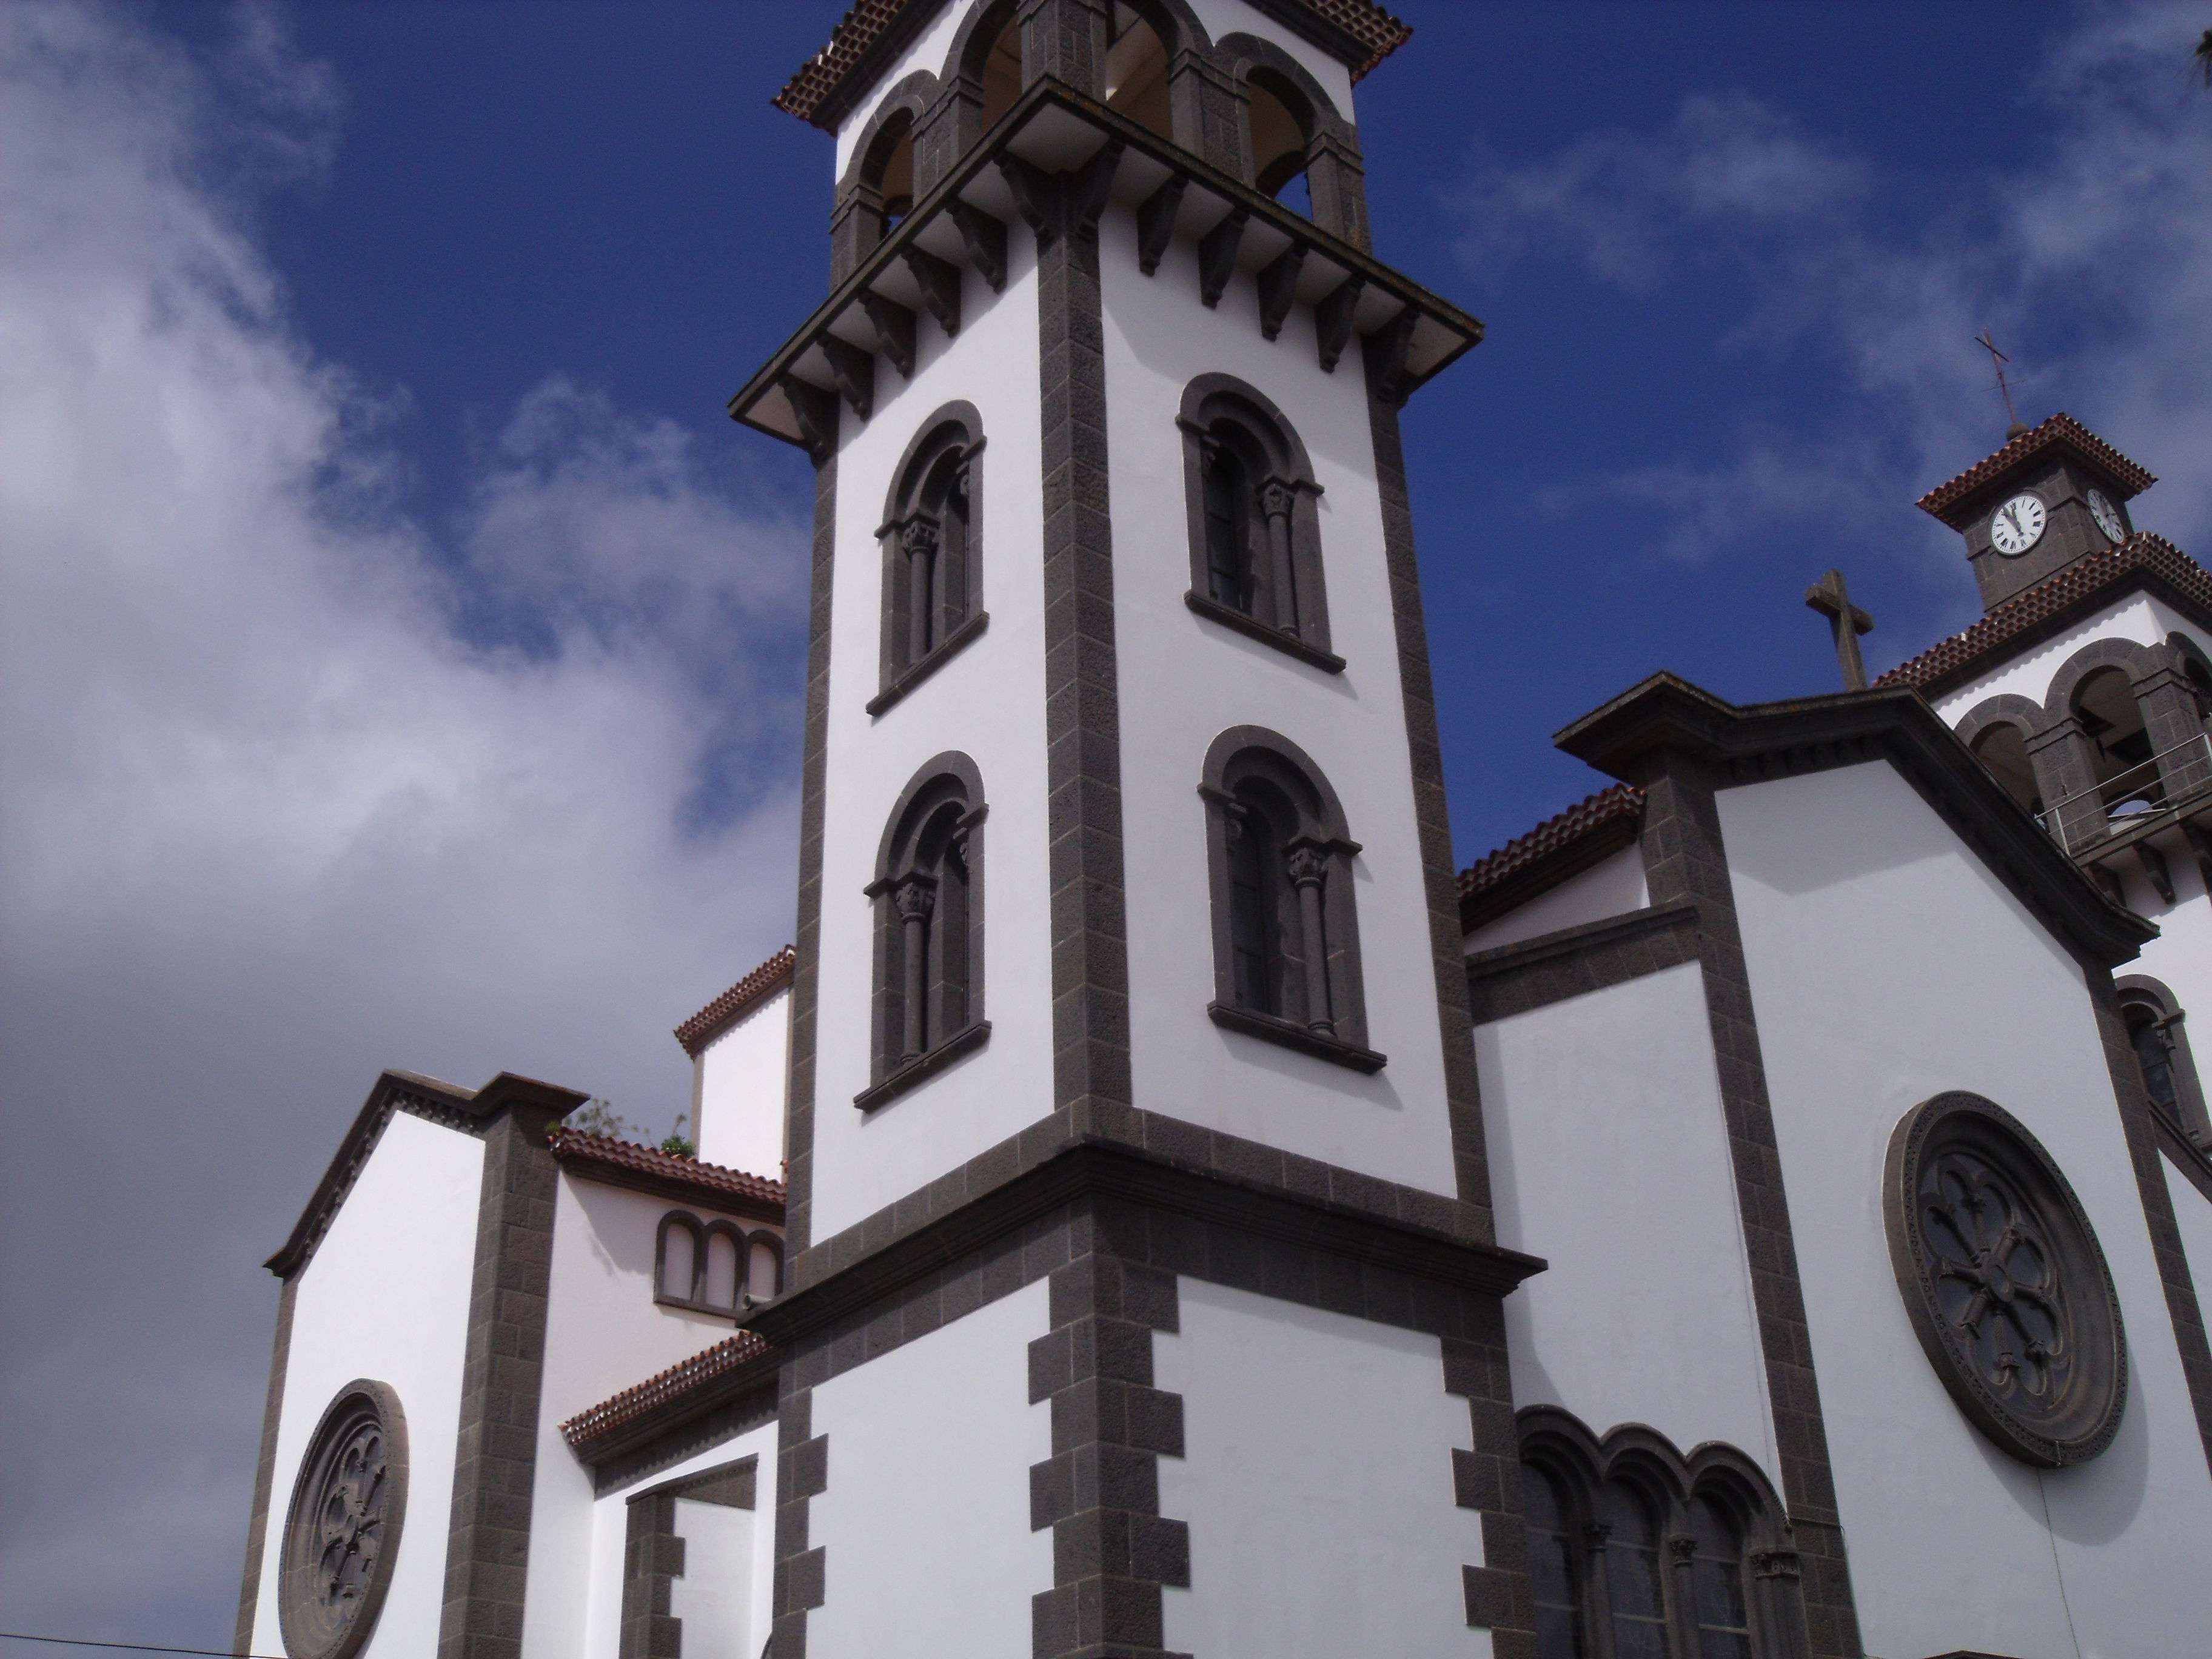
2018,525
2107,516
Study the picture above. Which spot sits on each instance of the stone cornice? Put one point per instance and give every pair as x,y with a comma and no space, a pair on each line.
1055,129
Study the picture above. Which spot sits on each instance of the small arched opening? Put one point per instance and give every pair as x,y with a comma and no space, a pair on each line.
1136,72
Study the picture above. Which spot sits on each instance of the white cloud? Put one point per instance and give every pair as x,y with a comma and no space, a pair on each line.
2094,264
296,788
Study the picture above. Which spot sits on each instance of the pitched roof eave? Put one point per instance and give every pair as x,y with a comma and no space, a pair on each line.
668,1175
740,999
2060,431
1564,844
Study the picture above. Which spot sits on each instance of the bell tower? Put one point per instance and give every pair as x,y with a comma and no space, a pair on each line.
1140,1230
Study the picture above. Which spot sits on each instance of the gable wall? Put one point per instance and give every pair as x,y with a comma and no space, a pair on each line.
1609,1158
1886,965
386,1298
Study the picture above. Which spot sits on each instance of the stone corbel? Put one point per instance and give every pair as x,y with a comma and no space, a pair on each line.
816,412
1279,287
1333,320
1388,347
854,371
2154,867
940,282
1156,221
1216,256
985,241
895,330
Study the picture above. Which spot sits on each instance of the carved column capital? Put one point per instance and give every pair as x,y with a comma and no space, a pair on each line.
1774,1563
918,536
915,897
1307,865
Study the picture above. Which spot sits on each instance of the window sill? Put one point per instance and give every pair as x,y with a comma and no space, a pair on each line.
1289,644
952,648
1268,1029
916,1072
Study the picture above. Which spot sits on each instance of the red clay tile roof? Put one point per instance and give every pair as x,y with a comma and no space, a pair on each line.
624,1162
1951,659
2061,428
869,20
718,1015
1549,840
604,1421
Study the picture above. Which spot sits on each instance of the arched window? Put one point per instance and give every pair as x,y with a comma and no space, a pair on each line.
1638,1552
764,1267
679,1260
1286,932
2105,703
1002,71
929,930
888,170
1255,563
933,552
2157,1033
1552,1570
2003,749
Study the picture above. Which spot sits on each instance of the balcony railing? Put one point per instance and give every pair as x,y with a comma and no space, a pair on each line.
2167,781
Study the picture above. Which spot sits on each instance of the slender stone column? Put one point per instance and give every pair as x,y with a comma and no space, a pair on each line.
1308,867
1275,503
914,899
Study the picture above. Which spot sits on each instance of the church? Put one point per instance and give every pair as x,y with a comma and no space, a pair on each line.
1157,1205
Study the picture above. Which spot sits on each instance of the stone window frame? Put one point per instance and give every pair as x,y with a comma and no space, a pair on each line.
1218,408
2141,991
653,1552
695,1299
954,433
1582,1465
949,780
1247,754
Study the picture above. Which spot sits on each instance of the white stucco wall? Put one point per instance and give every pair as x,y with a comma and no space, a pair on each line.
988,702
1887,965
729,1564
2192,1213
743,1074
1317,1482
386,1298
926,1520
1611,887
1184,679
1609,1159
604,1333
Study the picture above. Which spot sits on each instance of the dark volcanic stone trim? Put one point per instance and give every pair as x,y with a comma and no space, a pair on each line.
264,1470
653,1553
1099,1491
2138,1124
1439,879
802,1469
917,1072
495,1459
1685,862
1083,720
1487,1480
1209,1188
954,643
2195,1167
806,981
1534,973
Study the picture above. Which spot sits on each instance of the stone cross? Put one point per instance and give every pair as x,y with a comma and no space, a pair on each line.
1833,601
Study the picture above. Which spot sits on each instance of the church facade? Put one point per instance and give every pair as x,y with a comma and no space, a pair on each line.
1156,1206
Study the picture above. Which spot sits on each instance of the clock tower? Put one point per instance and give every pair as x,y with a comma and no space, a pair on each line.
2055,494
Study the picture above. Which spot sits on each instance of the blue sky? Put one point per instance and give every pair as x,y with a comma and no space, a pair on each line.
402,649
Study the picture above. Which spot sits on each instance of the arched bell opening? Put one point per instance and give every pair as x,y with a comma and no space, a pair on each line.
2004,750
1002,71
2127,778
1281,125
888,170
1136,72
